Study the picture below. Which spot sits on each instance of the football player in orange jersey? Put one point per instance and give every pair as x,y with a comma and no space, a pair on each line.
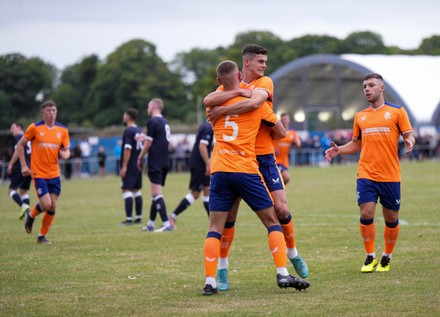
235,173
376,131
49,141
282,147
260,90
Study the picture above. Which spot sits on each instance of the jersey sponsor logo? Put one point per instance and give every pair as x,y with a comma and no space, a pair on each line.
378,130
387,115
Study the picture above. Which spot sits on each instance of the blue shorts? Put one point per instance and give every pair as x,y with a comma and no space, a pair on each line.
158,176
282,168
369,191
271,174
198,180
132,181
47,185
226,187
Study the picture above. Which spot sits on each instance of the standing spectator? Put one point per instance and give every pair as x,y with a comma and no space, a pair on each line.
76,155
101,160
181,152
117,150
17,180
49,141
376,133
131,176
86,150
156,145
199,165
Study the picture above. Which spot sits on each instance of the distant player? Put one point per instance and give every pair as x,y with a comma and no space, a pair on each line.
16,180
282,147
131,175
50,141
158,162
376,133
199,166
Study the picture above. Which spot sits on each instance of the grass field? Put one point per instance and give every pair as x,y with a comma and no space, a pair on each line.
96,268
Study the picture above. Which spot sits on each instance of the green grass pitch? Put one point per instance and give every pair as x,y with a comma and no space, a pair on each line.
96,268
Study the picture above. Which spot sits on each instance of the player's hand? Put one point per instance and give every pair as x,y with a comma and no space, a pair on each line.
64,153
213,113
123,172
9,170
25,170
409,146
140,163
332,152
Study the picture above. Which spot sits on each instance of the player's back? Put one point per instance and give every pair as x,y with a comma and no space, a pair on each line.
235,135
133,140
158,131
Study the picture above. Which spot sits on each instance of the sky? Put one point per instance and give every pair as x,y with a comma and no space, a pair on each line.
64,32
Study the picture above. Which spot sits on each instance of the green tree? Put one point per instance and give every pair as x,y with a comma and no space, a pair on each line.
363,43
314,44
430,45
76,82
130,77
23,84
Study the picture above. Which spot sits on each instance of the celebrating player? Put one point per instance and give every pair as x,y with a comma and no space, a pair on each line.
260,90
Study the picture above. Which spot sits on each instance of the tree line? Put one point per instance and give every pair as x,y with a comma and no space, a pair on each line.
94,93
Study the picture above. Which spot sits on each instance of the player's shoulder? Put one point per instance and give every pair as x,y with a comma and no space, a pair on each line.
392,105
38,123
60,125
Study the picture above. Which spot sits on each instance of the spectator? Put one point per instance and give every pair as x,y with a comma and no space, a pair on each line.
86,149
101,160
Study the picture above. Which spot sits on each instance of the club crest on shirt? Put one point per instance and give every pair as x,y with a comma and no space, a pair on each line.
58,135
387,115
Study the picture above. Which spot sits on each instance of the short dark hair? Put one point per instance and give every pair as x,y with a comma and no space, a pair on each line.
373,75
48,103
225,68
18,124
132,113
253,49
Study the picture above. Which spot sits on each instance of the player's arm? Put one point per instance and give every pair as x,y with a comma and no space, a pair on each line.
351,147
127,155
203,149
145,149
278,131
410,141
64,153
12,161
218,97
254,102
20,149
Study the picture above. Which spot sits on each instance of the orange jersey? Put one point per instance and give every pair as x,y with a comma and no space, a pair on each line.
264,139
234,150
46,143
282,147
380,129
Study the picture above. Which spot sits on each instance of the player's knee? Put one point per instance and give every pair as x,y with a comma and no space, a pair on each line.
282,211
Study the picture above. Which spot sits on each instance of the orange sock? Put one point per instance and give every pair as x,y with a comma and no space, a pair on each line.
289,232
211,250
226,241
36,211
47,222
368,234
390,235
277,246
